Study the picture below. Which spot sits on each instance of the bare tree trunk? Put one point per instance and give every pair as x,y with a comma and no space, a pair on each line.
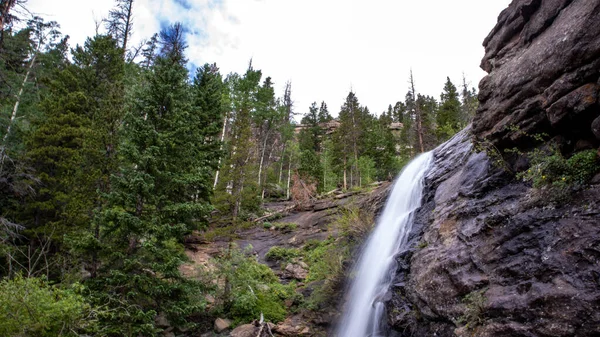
281,166
15,110
128,24
289,178
345,174
417,113
221,149
262,158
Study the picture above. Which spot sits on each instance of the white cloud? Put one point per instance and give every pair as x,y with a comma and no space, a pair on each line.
325,47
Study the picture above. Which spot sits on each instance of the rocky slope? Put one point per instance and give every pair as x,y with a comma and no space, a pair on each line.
315,223
490,255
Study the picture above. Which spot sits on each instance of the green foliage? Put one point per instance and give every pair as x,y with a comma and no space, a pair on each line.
448,118
474,308
160,195
285,226
282,254
554,171
366,167
31,307
326,266
252,288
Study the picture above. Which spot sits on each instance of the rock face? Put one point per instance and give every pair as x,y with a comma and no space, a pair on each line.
543,60
487,257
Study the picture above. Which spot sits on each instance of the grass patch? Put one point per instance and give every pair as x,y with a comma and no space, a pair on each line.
282,254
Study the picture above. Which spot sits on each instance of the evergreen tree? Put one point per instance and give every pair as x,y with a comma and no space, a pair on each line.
309,140
157,198
428,109
324,115
469,103
239,188
348,139
449,114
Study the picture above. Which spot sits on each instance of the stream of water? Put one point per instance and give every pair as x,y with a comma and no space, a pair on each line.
364,314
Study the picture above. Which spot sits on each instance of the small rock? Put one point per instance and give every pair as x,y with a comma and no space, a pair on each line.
595,180
246,330
209,298
222,324
161,320
583,144
288,328
296,271
596,127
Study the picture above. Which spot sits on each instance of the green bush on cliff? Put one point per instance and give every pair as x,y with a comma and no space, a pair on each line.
557,172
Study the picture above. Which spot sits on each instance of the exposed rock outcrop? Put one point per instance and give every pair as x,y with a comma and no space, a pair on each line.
492,262
543,60
487,257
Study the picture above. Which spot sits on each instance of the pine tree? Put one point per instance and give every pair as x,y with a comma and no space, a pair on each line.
469,103
348,139
157,198
448,117
208,91
309,140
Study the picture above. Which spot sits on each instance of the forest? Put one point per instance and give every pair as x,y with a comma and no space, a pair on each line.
112,154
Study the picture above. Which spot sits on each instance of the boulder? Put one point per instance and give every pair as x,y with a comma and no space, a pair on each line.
245,330
222,324
298,271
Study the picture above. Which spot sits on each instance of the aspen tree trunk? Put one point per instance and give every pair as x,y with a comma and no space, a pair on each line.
417,113
345,175
221,149
15,110
289,178
281,166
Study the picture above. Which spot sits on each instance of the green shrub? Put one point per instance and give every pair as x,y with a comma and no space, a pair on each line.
31,307
252,288
281,254
554,170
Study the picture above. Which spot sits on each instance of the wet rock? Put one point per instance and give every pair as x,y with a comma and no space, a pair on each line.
494,263
222,324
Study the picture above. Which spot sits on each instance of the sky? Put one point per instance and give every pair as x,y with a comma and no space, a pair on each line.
324,47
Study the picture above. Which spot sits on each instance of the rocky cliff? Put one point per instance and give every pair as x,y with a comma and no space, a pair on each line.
489,254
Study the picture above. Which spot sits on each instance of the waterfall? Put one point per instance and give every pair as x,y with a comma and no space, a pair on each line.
365,310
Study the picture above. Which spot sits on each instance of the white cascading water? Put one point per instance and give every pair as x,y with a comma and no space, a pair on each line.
374,271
